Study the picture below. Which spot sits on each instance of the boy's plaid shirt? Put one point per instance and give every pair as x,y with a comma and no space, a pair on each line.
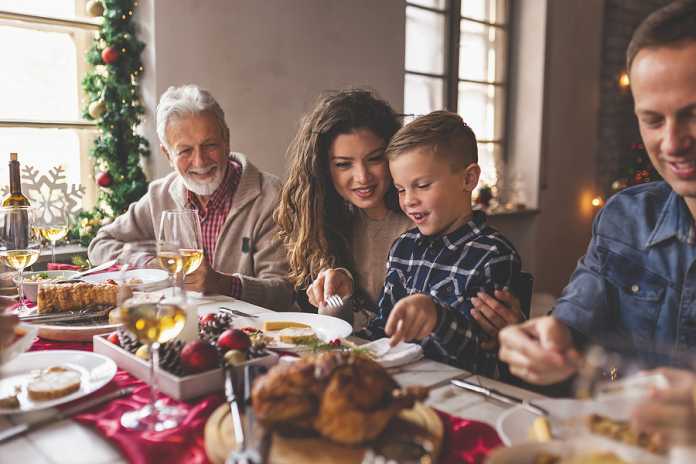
451,269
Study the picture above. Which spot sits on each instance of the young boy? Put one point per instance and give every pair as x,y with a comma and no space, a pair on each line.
435,269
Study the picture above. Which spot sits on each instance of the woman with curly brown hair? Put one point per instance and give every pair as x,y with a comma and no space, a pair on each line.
339,211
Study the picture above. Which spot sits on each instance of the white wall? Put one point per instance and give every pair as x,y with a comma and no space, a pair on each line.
266,61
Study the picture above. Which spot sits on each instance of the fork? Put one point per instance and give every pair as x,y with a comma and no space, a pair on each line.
332,306
236,312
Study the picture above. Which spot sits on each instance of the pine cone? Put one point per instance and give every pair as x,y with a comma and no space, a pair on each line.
128,341
170,357
211,331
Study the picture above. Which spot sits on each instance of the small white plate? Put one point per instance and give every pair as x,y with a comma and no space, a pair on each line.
25,334
327,328
150,278
96,370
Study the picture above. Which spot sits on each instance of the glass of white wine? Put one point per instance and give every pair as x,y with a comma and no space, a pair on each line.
153,320
53,224
20,244
170,260
184,228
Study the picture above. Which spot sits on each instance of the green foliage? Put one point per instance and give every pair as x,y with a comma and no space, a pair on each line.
118,149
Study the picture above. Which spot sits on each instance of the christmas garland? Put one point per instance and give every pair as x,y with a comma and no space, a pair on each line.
114,103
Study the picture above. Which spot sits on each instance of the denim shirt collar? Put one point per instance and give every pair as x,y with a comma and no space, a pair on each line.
675,220
463,234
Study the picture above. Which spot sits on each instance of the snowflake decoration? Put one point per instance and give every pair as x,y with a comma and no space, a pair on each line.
51,193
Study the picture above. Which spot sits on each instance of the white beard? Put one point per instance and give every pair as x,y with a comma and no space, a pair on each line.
204,188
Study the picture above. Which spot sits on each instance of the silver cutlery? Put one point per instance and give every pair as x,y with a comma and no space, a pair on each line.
244,453
68,316
500,396
101,267
17,430
331,306
236,312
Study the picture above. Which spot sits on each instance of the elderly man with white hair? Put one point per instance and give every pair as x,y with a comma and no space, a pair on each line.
234,200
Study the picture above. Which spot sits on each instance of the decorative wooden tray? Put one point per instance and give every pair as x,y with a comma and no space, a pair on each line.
414,429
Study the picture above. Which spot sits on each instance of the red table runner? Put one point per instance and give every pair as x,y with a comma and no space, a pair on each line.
466,441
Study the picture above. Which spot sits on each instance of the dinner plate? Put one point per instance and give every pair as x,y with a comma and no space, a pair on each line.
327,328
74,333
566,416
580,446
150,279
96,371
567,419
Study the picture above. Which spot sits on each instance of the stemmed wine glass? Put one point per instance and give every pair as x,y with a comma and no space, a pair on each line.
170,260
153,320
183,227
20,244
53,224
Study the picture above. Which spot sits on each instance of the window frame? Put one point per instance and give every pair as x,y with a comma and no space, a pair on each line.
86,130
450,76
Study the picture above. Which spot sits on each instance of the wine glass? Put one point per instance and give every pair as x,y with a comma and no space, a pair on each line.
170,260
153,320
20,244
184,228
53,225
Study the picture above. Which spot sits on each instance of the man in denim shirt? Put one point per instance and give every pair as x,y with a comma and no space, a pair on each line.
636,285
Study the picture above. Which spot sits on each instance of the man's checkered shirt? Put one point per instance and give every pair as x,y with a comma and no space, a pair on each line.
450,268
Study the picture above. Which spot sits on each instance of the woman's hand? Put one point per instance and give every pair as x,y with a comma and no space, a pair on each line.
670,412
330,282
494,314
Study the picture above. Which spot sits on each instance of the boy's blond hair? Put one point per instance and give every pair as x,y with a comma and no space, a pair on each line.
442,132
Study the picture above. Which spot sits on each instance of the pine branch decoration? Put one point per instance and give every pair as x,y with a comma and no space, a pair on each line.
114,103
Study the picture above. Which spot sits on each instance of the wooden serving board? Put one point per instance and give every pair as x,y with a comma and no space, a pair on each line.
419,424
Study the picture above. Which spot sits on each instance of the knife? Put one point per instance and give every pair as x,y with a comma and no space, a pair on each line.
497,395
233,401
17,430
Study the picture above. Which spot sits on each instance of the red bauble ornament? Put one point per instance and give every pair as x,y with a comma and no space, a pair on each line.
109,55
113,338
206,319
198,356
104,179
233,339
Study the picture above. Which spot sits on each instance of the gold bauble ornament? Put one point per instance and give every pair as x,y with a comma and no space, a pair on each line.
94,8
97,108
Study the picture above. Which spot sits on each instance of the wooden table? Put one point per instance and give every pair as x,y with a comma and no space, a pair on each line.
47,444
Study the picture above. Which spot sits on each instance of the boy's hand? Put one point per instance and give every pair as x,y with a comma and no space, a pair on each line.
412,318
330,282
494,314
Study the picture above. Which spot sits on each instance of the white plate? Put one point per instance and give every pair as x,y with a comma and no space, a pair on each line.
514,425
327,328
527,453
96,370
151,278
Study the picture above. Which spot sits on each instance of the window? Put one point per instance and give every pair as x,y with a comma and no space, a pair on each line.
40,88
456,57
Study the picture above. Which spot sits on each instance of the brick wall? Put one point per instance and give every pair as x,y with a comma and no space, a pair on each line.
618,129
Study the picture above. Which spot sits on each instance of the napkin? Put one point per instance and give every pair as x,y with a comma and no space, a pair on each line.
401,354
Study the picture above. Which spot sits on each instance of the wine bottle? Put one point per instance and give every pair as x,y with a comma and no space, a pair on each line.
15,197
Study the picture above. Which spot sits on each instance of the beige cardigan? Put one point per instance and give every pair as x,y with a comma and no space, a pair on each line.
263,270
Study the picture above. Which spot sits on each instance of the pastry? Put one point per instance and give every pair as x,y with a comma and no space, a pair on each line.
298,336
53,382
72,296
